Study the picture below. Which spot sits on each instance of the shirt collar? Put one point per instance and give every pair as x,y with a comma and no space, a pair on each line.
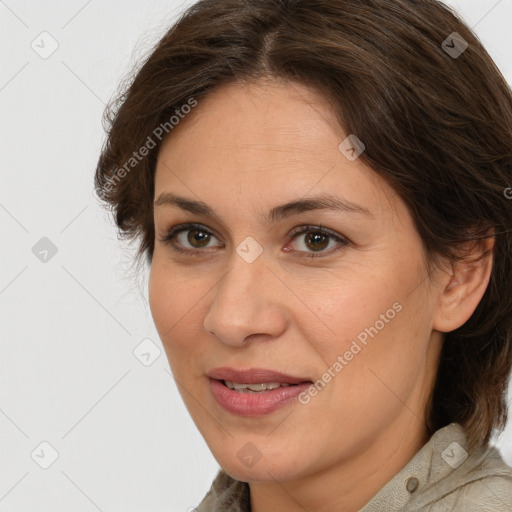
442,465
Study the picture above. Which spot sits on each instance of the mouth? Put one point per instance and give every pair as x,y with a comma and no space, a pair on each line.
255,391
255,388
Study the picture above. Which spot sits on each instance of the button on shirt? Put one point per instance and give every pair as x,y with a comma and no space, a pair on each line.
441,477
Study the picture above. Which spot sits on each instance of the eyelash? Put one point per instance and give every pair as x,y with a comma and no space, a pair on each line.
173,232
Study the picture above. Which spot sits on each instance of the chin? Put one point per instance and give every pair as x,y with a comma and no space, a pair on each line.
262,470
258,473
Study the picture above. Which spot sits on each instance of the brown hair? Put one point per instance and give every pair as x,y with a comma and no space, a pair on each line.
436,125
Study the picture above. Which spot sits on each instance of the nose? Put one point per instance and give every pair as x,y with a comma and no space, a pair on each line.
246,303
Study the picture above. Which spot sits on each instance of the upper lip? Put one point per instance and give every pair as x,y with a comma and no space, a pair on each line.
254,376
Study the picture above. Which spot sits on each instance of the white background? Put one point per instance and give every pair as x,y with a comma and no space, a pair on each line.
68,327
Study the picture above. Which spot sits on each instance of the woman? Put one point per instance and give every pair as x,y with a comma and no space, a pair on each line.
320,189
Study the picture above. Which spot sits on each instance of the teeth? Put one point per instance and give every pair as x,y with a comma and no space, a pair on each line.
254,388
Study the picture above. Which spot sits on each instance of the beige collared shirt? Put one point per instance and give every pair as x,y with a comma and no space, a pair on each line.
441,477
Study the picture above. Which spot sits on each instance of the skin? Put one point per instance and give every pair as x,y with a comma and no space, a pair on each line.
243,150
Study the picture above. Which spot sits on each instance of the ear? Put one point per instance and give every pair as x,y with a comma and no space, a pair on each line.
464,285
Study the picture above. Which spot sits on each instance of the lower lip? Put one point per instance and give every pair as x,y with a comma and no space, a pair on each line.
255,404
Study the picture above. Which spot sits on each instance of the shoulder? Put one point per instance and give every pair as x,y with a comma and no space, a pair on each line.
485,487
490,494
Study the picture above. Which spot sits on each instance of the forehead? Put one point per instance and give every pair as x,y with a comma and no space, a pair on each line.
273,138
261,117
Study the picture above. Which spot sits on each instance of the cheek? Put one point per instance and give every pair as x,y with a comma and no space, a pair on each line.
347,305
371,326
175,304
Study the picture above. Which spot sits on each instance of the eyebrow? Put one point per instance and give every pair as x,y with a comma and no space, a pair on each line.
322,202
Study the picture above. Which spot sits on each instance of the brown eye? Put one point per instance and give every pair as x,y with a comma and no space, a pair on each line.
190,238
316,241
197,237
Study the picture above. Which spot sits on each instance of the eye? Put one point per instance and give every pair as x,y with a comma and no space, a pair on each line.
195,235
317,239
193,239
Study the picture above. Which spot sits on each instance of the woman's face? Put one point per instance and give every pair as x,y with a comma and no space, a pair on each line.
358,319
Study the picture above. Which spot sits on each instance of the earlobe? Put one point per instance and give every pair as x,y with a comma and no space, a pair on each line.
465,286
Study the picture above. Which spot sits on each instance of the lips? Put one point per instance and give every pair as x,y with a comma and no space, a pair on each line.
255,376
277,389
